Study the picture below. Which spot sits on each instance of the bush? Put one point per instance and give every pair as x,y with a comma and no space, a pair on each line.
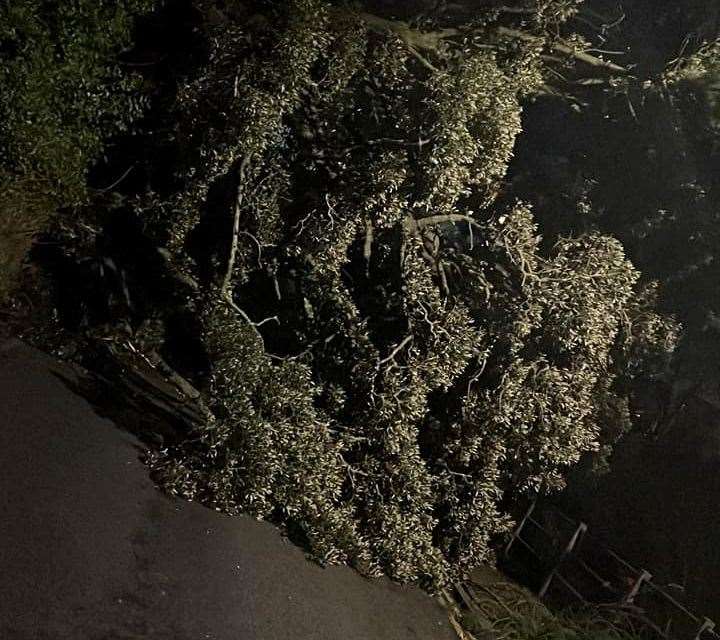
62,93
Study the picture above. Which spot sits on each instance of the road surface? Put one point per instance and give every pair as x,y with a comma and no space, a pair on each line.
90,549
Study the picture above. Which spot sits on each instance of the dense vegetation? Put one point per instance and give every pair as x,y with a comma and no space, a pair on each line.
652,182
391,357
62,93
320,240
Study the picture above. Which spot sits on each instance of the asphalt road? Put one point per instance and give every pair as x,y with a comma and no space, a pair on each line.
90,549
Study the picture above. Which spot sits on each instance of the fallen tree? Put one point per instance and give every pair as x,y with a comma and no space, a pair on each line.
388,355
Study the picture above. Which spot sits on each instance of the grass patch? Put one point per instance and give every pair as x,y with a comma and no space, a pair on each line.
506,611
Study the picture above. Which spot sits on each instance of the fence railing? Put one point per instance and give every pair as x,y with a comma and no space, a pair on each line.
581,566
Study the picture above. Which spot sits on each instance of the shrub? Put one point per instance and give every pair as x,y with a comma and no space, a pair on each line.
62,93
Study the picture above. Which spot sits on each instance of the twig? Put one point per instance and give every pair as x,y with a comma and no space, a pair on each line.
443,278
257,244
614,23
420,142
119,180
476,376
270,319
423,60
367,247
631,107
228,299
272,270
588,81
505,9
606,52
395,351
239,310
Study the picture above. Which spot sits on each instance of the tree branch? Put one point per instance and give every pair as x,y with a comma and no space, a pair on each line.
227,280
430,40
367,247
565,49
450,217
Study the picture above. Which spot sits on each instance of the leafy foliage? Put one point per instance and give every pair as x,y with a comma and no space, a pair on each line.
392,354
641,160
62,93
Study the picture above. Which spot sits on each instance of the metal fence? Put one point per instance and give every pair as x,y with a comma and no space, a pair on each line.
573,565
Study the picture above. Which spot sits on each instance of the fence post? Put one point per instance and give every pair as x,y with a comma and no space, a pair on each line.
707,625
519,528
581,529
635,589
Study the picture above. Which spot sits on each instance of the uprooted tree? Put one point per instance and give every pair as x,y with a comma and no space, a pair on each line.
390,353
